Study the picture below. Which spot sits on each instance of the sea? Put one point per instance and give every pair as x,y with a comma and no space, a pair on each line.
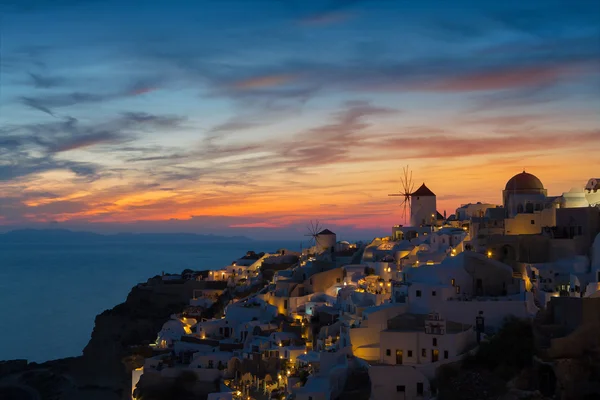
51,293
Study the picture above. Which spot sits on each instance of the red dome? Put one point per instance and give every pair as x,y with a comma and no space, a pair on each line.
524,181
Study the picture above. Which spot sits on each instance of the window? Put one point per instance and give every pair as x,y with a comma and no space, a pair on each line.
452,282
338,280
446,354
433,292
388,352
533,222
410,353
285,304
424,353
398,357
418,293
210,364
401,388
419,388
458,290
435,341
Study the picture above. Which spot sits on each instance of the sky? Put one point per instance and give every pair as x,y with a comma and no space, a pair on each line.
255,117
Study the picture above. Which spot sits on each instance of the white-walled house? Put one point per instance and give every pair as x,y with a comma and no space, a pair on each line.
365,337
398,382
211,360
173,330
463,286
411,348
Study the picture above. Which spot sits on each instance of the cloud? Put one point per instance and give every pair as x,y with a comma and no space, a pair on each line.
47,103
334,11
499,80
263,82
23,165
45,82
33,148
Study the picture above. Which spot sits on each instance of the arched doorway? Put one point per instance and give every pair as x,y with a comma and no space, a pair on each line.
234,368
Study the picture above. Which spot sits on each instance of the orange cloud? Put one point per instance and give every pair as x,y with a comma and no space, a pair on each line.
263,82
502,79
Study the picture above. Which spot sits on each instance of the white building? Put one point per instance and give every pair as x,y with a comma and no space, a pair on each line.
417,342
423,207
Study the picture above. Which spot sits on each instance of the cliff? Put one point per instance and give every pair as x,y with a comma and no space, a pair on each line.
103,371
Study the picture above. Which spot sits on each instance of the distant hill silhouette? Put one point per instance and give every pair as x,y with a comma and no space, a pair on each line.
68,236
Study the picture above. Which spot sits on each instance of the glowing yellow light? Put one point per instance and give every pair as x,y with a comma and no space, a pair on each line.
380,283
489,254
389,283
280,344
345,283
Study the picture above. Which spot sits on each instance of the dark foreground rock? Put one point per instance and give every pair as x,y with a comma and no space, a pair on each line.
103,372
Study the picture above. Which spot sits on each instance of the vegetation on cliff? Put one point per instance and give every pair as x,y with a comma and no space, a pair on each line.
498,360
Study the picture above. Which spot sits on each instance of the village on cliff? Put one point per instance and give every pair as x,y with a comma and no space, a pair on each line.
390,314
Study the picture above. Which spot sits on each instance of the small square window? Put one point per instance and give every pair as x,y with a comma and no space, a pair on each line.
433,293
424,353
388,352
435,341
338,280
533,222
410,353
401,388
446,354
418,293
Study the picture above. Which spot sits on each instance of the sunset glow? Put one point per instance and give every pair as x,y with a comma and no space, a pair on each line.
255,117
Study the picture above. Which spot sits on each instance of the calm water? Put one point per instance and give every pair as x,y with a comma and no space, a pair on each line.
50,294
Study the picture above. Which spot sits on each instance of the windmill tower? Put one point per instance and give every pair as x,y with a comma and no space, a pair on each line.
321,239
406,190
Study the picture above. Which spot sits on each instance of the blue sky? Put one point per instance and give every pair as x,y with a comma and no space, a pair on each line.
255,116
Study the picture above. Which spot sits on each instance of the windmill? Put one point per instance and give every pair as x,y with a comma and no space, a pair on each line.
313,232
406,190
